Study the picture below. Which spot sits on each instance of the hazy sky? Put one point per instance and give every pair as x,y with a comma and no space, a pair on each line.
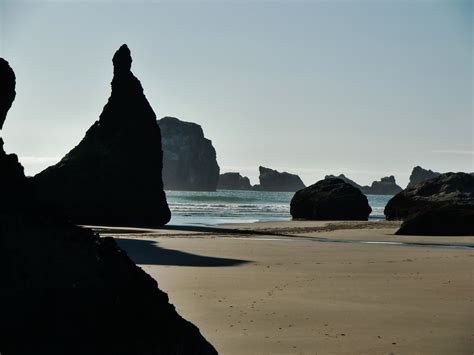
367,88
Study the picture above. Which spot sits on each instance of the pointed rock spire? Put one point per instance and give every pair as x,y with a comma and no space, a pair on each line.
122,60
113,177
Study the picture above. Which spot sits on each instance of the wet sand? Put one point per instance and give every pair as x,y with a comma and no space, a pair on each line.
314,287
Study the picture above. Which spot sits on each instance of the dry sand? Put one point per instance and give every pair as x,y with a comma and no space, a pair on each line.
312,288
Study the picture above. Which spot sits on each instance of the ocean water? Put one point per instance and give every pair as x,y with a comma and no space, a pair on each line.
230,206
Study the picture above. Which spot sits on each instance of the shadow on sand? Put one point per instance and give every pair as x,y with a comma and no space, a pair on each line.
212,229
148,252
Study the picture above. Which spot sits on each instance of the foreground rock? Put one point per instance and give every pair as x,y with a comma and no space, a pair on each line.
419,174
70,292
330,199
445,220
451,189
233,181
15,189
273,180
64,290
189,159
113,177
386,186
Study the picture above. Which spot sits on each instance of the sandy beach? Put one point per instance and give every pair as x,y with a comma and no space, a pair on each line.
314,287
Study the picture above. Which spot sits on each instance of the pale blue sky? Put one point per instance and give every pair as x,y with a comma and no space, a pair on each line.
367,88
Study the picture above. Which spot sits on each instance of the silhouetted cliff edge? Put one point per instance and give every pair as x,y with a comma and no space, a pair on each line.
64,290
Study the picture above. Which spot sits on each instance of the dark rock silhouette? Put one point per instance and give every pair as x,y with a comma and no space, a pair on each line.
64,290
14,187
113,177
70,292
234,181
453,189
189,159
330,199
148,252
7,89
386,185
445,220
273,180
419,174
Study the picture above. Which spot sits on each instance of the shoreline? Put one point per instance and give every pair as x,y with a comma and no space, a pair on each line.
349,232
308,287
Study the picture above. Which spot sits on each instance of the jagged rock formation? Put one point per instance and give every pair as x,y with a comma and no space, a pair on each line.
273,180
453,189
386,185
330,199
7,89
189,159
113,177
64,290
419,174
445,220
234,181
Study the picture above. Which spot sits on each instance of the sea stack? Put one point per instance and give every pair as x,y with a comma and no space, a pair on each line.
273,180
234,181
330,199
113,177
189,159
386,186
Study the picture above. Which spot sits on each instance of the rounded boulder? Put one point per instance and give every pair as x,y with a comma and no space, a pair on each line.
330,199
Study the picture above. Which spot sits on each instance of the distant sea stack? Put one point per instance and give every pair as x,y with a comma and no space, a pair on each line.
419,174
386,186
449,189
113,177
65,290
189,159
234,181
330,199
273,180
